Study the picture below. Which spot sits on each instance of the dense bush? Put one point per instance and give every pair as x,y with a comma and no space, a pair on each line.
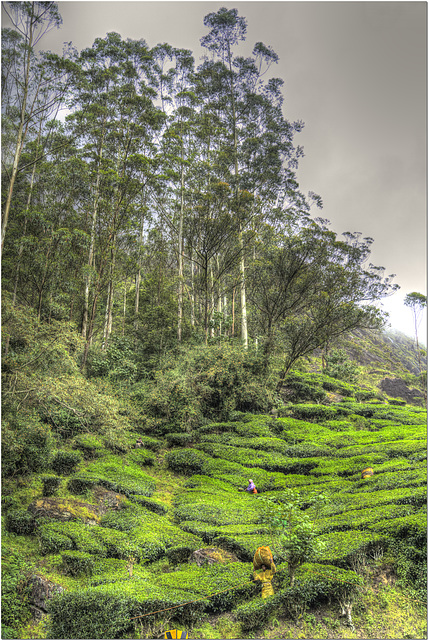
90,445
20,521
76,563
26,444
50,485
142,457
112,473
211,381
65,462
15,592
89,614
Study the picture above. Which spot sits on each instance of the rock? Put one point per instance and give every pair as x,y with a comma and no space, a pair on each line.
108,499
65,510
397,388
42,590
211,556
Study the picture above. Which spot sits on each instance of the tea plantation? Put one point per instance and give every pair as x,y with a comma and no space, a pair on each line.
113,534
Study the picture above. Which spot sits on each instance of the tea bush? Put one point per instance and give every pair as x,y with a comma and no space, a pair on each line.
112,473
65,462
148,503
26,443
76,563
89,445
50,485
348,549
142,457
20,521
15,593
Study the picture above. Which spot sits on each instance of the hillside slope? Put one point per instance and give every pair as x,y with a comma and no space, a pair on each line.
109,537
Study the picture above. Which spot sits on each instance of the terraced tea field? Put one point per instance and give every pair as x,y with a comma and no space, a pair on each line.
121,544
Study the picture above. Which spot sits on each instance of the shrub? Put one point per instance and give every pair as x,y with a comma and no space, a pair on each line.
50,485
150,504
65,462
142,457
76,563
255,614
15,592
186,461
20,521
179,439
53,540
89,614
26,444
91,446
112,473
340,366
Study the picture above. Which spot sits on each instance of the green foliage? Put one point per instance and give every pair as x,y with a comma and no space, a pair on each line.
65,462
15,592
117,362
20,521
50,485
113,473
340,366
206,382
295,530
90,445
142,457
89,614
26,444
76,563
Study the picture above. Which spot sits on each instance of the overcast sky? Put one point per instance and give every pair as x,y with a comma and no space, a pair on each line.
355,73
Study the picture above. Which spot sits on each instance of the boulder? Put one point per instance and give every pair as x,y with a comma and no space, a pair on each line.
65,510
397,388
211,556
41,590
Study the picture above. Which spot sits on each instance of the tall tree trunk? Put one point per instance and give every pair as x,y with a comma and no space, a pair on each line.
244,326
108,321
180,252
20,135
92,240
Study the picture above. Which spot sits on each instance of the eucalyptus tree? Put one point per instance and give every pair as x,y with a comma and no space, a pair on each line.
178,149
417,302
114,122
255,151
24,78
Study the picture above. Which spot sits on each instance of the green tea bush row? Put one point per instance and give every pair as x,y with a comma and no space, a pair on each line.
112,473
304,450
361,518
91,446
234,580
180,439
349,549
21,522
257,458
149,503
77,563
142,457
319,412
50,485
414,525
348,502
208,532
65,462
